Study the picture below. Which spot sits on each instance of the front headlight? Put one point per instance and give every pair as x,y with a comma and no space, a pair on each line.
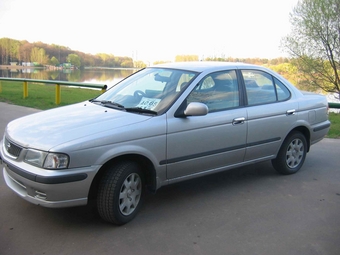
35,157
46,160
56,161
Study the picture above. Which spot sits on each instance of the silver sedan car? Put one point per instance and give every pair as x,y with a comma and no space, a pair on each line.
161,125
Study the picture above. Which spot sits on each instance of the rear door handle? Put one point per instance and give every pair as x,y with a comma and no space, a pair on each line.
290,112
238,121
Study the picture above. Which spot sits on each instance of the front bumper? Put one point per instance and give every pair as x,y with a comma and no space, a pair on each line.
71,188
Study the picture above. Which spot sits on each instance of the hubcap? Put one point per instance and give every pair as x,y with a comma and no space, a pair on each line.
130,194
294,153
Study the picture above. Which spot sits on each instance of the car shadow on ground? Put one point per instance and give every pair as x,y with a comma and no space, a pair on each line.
178,194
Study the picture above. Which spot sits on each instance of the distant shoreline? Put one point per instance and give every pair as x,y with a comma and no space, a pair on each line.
18,67
42,67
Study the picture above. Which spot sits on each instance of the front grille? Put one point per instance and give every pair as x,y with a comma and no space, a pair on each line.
12,149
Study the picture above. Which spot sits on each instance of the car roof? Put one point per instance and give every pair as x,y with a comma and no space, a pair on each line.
199,66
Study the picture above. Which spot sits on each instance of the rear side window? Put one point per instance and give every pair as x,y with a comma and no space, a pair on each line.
262,88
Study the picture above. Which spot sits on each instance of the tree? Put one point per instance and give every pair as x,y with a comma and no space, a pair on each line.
186,58
54,61
38,55
12,50
9,50
139,64
314,43
127,63
25,51
74,59
104,58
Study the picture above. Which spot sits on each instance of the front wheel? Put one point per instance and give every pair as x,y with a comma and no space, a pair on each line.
292,154
120,193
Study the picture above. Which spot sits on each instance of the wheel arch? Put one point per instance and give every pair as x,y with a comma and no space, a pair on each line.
146,166
305,131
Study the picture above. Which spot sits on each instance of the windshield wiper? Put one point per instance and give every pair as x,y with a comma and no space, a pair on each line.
114,105
108,103
140,110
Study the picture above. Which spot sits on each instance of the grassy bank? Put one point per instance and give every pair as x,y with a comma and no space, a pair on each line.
43,97
334,132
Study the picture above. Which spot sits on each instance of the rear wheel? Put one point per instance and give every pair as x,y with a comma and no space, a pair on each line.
120,193
292,154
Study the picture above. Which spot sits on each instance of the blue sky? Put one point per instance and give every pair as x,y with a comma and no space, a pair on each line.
152,30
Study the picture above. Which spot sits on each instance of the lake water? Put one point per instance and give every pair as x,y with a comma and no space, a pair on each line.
108,77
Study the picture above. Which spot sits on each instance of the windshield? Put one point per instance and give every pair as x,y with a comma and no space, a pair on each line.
153,89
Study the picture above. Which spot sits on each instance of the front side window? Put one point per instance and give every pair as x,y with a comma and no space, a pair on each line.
219,91
152,89
262,88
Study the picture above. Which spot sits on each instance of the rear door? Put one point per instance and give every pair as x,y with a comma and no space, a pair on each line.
196,144
270,111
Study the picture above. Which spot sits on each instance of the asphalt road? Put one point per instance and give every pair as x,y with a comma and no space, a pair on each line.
250,210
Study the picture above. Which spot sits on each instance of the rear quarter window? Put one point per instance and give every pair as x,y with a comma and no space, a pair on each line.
282,92
263,88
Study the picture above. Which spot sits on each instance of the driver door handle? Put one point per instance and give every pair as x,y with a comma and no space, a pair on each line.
290,112
238,121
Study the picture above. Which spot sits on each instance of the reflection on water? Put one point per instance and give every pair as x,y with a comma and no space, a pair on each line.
108,77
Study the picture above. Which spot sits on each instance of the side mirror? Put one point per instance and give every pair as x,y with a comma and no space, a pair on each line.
196,109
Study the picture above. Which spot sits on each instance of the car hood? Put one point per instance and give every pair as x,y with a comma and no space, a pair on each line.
47,129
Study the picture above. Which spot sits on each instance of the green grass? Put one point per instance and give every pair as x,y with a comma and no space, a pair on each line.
43,97
334,132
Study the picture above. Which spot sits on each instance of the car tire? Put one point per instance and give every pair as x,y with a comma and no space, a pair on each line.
292,154
120,193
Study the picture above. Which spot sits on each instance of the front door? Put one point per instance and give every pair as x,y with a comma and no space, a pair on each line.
197,144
